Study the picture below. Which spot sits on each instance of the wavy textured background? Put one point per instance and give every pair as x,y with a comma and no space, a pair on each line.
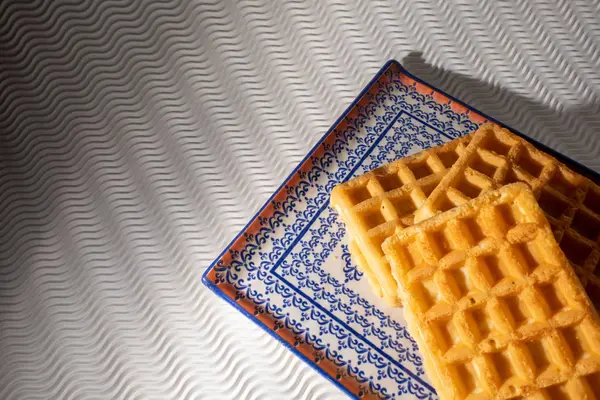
137,138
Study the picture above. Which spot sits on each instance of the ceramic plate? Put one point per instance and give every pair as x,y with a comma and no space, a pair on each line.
290,271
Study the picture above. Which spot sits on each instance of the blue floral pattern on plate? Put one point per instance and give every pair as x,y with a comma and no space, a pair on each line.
297,266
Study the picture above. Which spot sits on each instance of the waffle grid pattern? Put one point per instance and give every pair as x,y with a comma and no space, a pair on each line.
570,201
373,205
494,305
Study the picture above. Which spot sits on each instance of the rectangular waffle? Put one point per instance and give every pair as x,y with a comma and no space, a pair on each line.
496,157
374,204
493,304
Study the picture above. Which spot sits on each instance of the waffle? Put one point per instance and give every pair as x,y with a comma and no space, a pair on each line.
570,201
493,304
373,205
361,263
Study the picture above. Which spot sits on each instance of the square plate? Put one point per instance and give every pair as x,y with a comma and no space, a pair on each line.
290,271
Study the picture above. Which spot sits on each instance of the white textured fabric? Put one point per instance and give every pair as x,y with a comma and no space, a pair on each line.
137,138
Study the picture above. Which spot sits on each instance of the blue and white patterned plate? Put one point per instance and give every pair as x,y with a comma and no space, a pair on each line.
290,269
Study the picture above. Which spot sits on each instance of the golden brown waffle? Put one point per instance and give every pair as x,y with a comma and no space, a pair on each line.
571,201
374,204
495,308
361,263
